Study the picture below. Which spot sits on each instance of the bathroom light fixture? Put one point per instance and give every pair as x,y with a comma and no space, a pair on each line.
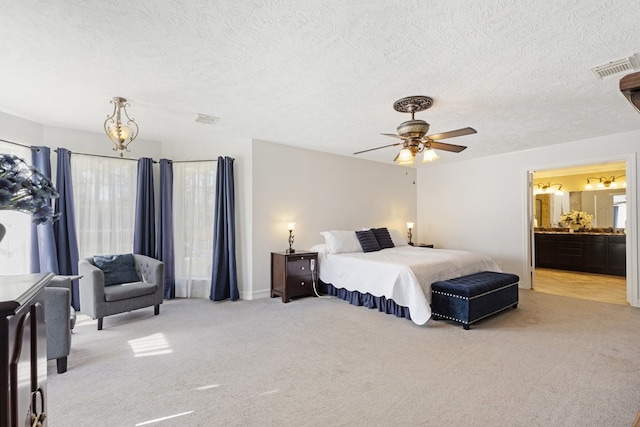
547,188
604,182
121,134
409,235
291,226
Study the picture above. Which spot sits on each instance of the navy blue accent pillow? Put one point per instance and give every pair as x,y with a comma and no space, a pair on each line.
117,269
368,241
383,237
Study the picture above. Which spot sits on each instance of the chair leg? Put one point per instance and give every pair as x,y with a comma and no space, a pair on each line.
100,323
156,309
61,363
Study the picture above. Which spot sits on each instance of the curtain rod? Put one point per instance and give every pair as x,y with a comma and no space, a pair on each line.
15,143
193,161
109,157
102,155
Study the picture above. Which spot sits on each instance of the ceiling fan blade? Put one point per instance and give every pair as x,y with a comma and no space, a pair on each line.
453,133
392,135
377,148
447,147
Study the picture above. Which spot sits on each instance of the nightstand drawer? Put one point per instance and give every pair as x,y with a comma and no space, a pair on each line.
297,286
299,267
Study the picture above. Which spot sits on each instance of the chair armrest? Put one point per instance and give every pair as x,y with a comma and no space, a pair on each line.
57,305
60,282
91,286
149,269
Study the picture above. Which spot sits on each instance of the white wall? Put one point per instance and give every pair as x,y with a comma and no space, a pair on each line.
320,191
481,204
19,130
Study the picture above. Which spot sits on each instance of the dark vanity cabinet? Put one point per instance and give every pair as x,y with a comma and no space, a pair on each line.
23,350
590,253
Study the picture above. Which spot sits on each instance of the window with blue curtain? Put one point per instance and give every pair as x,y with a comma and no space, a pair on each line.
194,191
105,200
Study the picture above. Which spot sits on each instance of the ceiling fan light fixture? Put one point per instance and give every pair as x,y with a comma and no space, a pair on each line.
429,156
405,156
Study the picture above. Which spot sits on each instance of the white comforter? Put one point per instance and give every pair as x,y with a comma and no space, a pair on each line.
403,274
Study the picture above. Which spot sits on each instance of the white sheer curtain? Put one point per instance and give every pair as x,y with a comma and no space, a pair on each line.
105,200
15,248
194,191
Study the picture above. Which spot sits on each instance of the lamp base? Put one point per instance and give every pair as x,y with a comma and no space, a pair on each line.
290,251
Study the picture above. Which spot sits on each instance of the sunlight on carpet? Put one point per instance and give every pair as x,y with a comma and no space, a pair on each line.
152,345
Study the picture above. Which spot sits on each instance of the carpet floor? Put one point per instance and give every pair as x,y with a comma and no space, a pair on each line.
553,361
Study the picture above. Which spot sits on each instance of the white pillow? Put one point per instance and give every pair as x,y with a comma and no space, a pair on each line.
341,241
321,248
397,238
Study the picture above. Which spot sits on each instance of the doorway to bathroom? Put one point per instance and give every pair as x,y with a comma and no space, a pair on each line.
578,231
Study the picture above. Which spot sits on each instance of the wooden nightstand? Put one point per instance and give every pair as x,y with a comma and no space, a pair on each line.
292,275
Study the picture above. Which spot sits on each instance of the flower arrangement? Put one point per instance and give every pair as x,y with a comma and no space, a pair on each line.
24,188
577,220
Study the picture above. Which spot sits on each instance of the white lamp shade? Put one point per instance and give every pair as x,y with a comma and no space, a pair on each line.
429,156
291,226
405,156
410,225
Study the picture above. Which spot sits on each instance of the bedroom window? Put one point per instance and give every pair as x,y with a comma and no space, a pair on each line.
104,196
194,191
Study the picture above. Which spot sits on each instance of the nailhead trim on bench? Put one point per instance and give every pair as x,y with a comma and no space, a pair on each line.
474,321
476,296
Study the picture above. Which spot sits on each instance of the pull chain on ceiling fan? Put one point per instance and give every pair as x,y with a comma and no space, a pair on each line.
413,133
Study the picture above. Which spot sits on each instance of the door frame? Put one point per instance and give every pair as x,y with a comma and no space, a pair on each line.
631,231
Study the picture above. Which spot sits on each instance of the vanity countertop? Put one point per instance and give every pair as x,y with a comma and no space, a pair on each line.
592,232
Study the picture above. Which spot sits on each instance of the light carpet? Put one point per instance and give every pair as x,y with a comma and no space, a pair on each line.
553,361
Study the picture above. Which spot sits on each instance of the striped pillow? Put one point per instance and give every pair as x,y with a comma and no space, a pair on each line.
368,241
383,237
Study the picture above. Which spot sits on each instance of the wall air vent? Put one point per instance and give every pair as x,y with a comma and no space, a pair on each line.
207,120
616,67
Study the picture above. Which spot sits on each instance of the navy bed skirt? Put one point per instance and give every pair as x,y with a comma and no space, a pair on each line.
356,298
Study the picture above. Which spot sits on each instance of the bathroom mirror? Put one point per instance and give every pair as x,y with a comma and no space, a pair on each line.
608,207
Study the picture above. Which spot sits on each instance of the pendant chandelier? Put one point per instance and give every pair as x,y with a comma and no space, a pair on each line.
121,134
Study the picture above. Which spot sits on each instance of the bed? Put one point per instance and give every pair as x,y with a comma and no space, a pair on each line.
396,280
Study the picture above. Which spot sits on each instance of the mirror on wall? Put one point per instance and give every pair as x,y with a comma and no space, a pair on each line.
562,190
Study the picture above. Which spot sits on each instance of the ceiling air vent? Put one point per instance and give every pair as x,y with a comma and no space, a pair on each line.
207,120
614,68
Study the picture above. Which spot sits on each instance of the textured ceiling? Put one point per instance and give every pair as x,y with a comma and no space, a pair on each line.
322,74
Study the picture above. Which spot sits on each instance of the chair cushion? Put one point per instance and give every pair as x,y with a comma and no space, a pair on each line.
117,269
128,290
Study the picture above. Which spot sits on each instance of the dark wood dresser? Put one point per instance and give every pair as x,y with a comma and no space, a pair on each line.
23,353
292,275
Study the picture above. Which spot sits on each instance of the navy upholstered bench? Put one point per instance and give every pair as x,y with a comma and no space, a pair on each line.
468,299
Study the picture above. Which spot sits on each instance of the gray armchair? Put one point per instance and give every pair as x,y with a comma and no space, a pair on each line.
98,300
60,318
